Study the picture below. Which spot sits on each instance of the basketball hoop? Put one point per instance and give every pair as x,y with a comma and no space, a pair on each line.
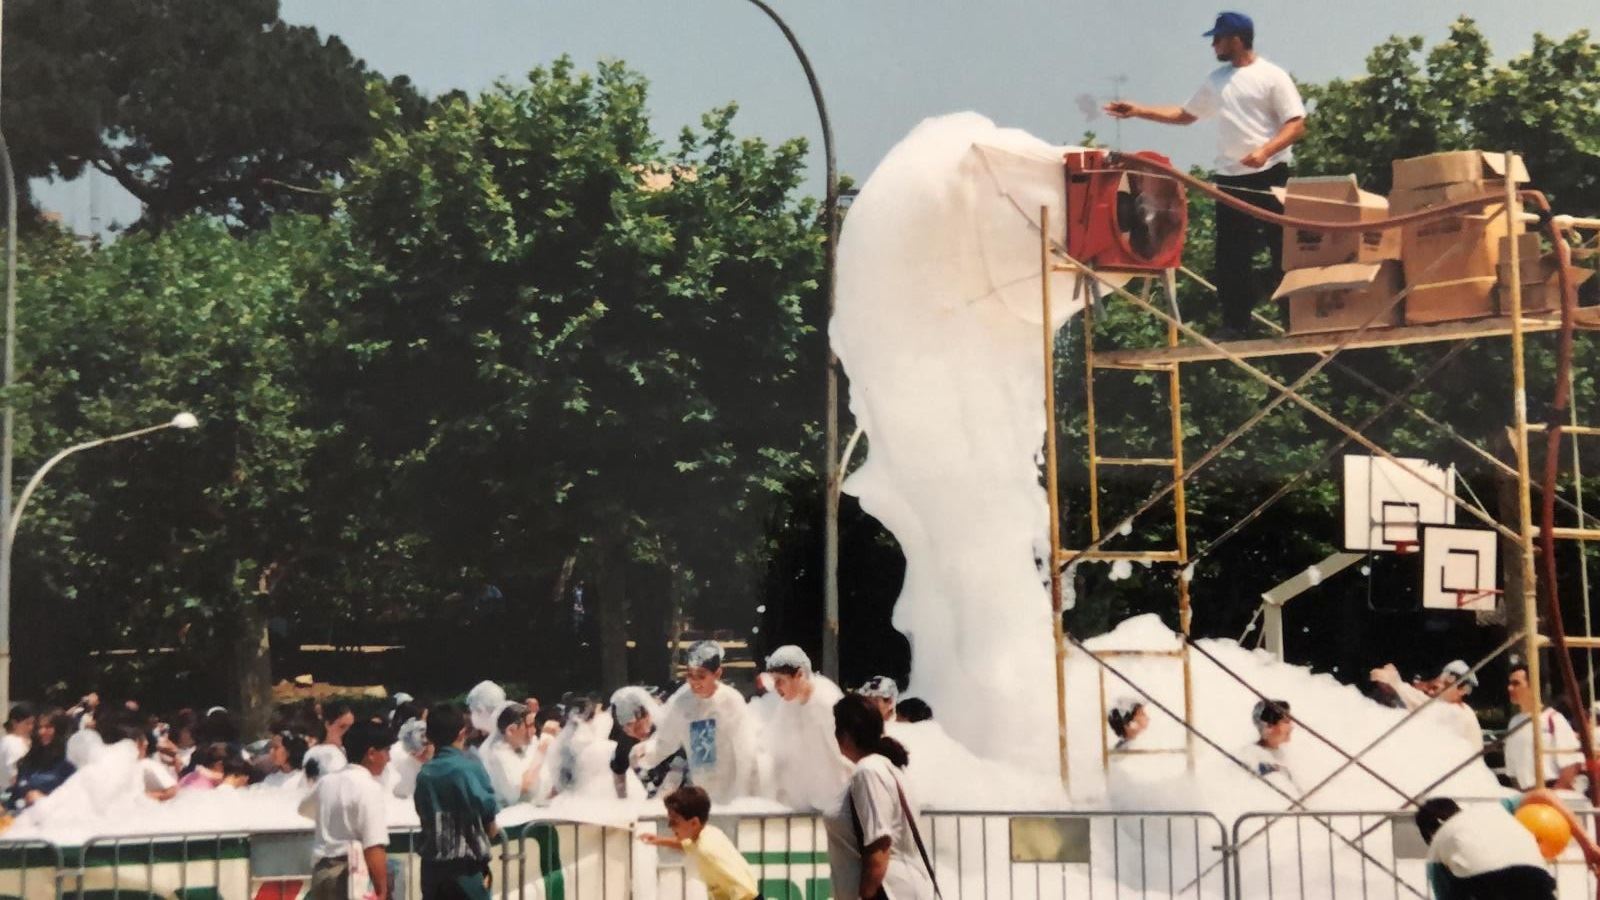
1403,547
1463,598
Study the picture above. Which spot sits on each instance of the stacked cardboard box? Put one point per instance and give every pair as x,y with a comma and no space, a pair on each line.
1337,281
1451,263
1540,275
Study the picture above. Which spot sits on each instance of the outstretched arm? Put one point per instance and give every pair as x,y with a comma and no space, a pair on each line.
1586,842
1166,115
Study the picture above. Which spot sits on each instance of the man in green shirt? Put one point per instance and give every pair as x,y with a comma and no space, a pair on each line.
456,806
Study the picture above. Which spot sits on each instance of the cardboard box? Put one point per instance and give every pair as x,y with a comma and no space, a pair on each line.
1540,277
1449,301
1335,199
1453,248
1474,167
1342,297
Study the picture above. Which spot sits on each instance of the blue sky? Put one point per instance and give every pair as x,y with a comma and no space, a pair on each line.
883,64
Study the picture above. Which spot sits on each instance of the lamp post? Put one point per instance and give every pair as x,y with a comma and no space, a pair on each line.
8,536
830,204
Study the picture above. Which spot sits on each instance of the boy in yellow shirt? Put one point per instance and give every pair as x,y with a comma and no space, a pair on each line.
722,867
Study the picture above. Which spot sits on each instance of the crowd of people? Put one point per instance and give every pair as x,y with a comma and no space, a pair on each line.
799,740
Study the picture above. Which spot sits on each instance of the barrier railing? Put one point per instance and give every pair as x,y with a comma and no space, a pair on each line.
31,870
978,855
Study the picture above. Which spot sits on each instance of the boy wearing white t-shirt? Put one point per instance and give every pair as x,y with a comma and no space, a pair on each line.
1259,117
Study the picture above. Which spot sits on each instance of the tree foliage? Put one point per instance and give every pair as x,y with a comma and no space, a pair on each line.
191,106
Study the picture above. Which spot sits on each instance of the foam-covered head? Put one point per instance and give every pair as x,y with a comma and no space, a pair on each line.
880,687
1458,672
789,658
705,655
632,702
414,736
484,702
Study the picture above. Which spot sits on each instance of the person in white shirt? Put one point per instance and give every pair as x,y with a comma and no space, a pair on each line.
709,722
14,745
411,749
286,755
1455,682
875,847
1482,851
1260,116
807,770
513,759
1560,769
351,834
1268,757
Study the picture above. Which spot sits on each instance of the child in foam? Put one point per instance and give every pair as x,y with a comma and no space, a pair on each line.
883,693
1128,719
1268,758
1454,684
808,771
706,719
1482,851
514,760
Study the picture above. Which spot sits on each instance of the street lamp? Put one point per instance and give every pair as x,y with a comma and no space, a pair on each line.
830,208
8,536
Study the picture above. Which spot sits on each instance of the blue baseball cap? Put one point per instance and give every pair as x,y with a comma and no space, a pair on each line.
1231,23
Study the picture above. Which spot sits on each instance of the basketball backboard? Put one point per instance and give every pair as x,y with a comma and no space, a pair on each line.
1458,568
1386,506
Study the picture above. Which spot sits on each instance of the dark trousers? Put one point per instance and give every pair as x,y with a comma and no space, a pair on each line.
454,880
1519,882
1239,237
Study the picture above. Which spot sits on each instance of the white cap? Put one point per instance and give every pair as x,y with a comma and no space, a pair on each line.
414,736
705,655
789,657
1458,670
880,686
484,702
631,702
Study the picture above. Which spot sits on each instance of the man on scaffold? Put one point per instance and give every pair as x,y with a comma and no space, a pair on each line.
1259,117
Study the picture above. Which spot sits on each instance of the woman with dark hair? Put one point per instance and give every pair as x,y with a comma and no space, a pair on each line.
286,753
44,767
874,846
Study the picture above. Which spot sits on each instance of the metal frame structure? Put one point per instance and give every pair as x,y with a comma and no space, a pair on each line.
1170,359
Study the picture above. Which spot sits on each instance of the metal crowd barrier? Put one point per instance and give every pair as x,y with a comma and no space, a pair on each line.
1305,854
980,855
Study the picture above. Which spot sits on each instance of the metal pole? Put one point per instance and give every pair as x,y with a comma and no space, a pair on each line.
7,378
1058,628
831,471
1519,408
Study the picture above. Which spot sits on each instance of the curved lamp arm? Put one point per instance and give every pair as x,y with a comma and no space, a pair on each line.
181,420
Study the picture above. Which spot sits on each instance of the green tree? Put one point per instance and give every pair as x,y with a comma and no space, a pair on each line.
191,106
566,354
170,548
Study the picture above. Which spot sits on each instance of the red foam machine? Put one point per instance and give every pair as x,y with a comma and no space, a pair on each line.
1121,219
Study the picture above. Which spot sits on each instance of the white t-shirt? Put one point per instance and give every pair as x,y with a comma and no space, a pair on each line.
506,766
292,780
1272,764
716,737
347,806
1462,720
12,749
874,793
1483,837
807,770
158,776
328,757
400,776
1251,104
1558,735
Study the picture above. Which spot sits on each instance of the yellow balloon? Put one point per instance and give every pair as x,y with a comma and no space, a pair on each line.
1549,828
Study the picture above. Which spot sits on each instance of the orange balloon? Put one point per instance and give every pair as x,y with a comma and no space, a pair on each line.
1549,828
